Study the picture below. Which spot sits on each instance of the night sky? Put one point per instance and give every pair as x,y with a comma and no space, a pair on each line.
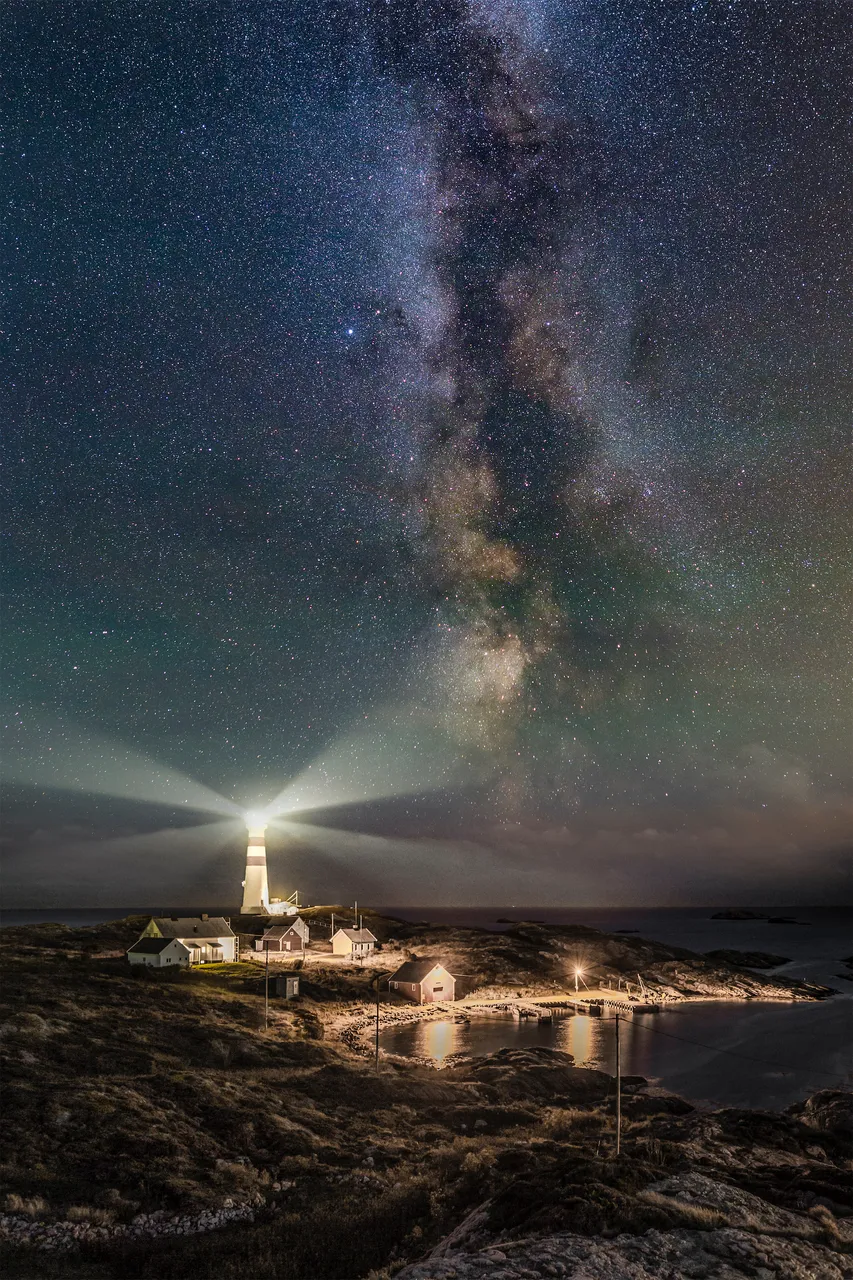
441,410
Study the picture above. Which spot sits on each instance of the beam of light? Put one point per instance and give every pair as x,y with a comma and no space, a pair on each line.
172,865
67,757
371,864
347,844
397,752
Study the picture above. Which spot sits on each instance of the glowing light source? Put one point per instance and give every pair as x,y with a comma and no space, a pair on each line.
255,819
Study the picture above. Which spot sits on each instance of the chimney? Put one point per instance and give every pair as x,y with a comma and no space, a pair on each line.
205,916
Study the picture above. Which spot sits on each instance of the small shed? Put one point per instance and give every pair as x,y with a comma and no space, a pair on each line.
353,942
284,937
287,985
423,982
159,953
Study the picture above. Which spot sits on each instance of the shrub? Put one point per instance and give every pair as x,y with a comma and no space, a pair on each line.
33,1206
88,1213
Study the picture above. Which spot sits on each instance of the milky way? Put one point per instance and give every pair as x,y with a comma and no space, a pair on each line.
469,376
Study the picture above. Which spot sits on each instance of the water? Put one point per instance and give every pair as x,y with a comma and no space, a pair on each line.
801,1047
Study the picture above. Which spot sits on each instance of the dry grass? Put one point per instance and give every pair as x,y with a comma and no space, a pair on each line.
697,1216
31,1206
90,1213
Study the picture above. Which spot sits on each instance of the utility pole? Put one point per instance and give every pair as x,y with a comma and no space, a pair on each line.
377,1024
266,986
618,1091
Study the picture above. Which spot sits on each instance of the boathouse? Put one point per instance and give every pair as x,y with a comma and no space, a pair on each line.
423,982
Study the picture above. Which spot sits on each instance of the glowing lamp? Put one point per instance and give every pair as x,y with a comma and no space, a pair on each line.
255,820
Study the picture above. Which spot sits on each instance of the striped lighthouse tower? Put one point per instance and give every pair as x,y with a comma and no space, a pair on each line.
256,890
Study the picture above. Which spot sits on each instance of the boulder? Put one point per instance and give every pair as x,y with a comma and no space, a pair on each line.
829,1109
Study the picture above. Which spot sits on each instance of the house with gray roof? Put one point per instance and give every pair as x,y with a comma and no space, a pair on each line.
292,936
208,938
423,982
353,942
159,953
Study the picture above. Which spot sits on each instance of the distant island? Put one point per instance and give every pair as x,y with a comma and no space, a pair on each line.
738,915
748,959
753,915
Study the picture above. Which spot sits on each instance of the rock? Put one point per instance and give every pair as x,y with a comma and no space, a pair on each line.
540,1074
720,1254
829,1109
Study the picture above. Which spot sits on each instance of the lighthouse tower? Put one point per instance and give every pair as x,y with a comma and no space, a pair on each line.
256,890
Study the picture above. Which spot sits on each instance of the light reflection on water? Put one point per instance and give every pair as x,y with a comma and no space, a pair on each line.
752,1054
581,1036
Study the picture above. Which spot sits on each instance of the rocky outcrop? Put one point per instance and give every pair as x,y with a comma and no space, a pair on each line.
720,1254
830,1110
720,1233
537,1075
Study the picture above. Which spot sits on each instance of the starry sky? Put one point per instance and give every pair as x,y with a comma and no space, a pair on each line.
437,411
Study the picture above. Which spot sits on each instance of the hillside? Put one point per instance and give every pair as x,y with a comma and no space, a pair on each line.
140,1111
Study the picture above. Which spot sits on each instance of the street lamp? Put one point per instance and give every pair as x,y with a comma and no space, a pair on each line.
578,975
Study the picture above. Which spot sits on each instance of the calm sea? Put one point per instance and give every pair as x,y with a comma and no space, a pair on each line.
734,1054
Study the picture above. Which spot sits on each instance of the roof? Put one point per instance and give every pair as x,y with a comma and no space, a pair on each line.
193,927
151,946
416,970
279,931
357,935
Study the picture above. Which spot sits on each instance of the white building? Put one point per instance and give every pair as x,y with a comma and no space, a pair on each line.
159,953
353,942
208,938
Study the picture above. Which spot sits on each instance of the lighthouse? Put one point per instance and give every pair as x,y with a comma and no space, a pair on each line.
256,890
